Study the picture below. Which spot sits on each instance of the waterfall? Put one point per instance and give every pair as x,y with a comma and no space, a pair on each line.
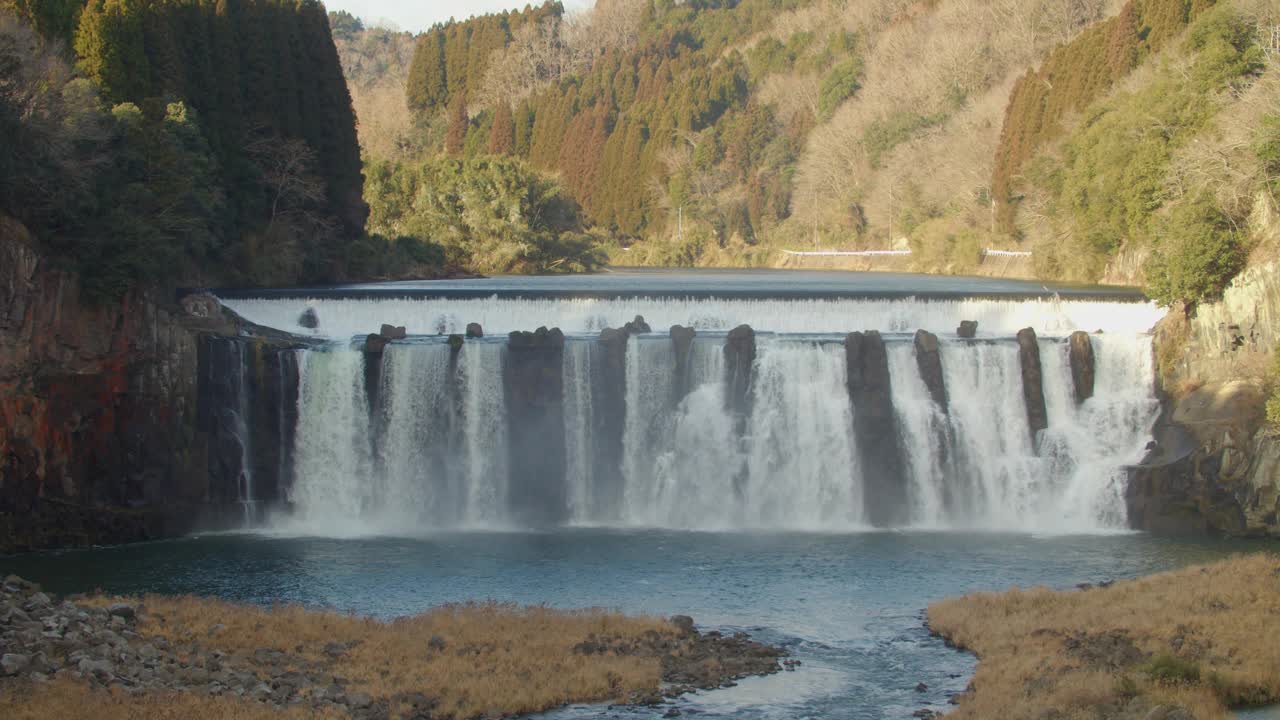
615,431
346,318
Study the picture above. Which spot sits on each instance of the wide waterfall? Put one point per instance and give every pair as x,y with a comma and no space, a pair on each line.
826,432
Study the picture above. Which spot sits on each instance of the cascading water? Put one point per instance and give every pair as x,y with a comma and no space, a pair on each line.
350,317
425,435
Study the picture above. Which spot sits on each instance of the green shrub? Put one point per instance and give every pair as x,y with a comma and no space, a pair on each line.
839,85
1171,670
1197,251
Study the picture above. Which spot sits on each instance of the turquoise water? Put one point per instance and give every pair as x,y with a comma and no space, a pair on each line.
849,606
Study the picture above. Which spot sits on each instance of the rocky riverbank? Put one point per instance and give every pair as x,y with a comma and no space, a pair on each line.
465,661
1181,645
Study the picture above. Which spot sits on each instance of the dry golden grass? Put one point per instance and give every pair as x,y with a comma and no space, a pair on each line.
475,659
1203,638
71,700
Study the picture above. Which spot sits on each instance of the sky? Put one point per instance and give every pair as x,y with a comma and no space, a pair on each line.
418,15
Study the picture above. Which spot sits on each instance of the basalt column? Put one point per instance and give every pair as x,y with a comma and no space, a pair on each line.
1032,381
609,416
534,386
929,360
270,382
874,425
1083,367
739,360
221,414
682,347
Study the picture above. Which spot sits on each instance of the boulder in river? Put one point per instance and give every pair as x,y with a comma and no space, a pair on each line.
393,332
474,330
968,329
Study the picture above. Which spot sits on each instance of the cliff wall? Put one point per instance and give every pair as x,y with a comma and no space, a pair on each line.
1215,464
101,438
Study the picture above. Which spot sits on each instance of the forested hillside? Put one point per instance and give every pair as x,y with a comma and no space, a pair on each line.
719,131
165,141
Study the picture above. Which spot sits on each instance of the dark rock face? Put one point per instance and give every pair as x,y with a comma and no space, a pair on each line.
455,344
929,360
1212,467
875,426
534,385
968,329
474,330
393,332
740,359
1082,365
309,319
1032,380
682,348
105,433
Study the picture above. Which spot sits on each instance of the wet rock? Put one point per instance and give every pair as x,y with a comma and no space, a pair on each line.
682,349
921,687
474,330
867,378
455,343
929,361
1032,381
638,326
1082,365
683,623
740,358
533,383
393,332
309,319
968,329
375,343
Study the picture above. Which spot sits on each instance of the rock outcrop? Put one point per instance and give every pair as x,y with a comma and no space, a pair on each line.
968,329
534,386
108,433
1210,469
867,368
739,361
929,361
1032,380
682,348
1083,365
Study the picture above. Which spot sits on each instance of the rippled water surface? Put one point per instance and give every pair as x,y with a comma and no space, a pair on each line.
849,606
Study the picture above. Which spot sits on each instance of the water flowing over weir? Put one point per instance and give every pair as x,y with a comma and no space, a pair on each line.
799,424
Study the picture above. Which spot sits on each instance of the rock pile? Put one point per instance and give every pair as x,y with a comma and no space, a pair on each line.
106,646
41,640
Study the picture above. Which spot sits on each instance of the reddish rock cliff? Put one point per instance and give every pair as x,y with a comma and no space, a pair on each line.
99,438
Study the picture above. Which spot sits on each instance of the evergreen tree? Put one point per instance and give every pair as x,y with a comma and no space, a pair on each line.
456,137
502,135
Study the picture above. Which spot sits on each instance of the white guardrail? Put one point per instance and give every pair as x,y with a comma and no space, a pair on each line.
883,253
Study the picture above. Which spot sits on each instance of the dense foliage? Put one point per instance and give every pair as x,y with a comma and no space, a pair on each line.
201,142
491,214
1111,184
1074,76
